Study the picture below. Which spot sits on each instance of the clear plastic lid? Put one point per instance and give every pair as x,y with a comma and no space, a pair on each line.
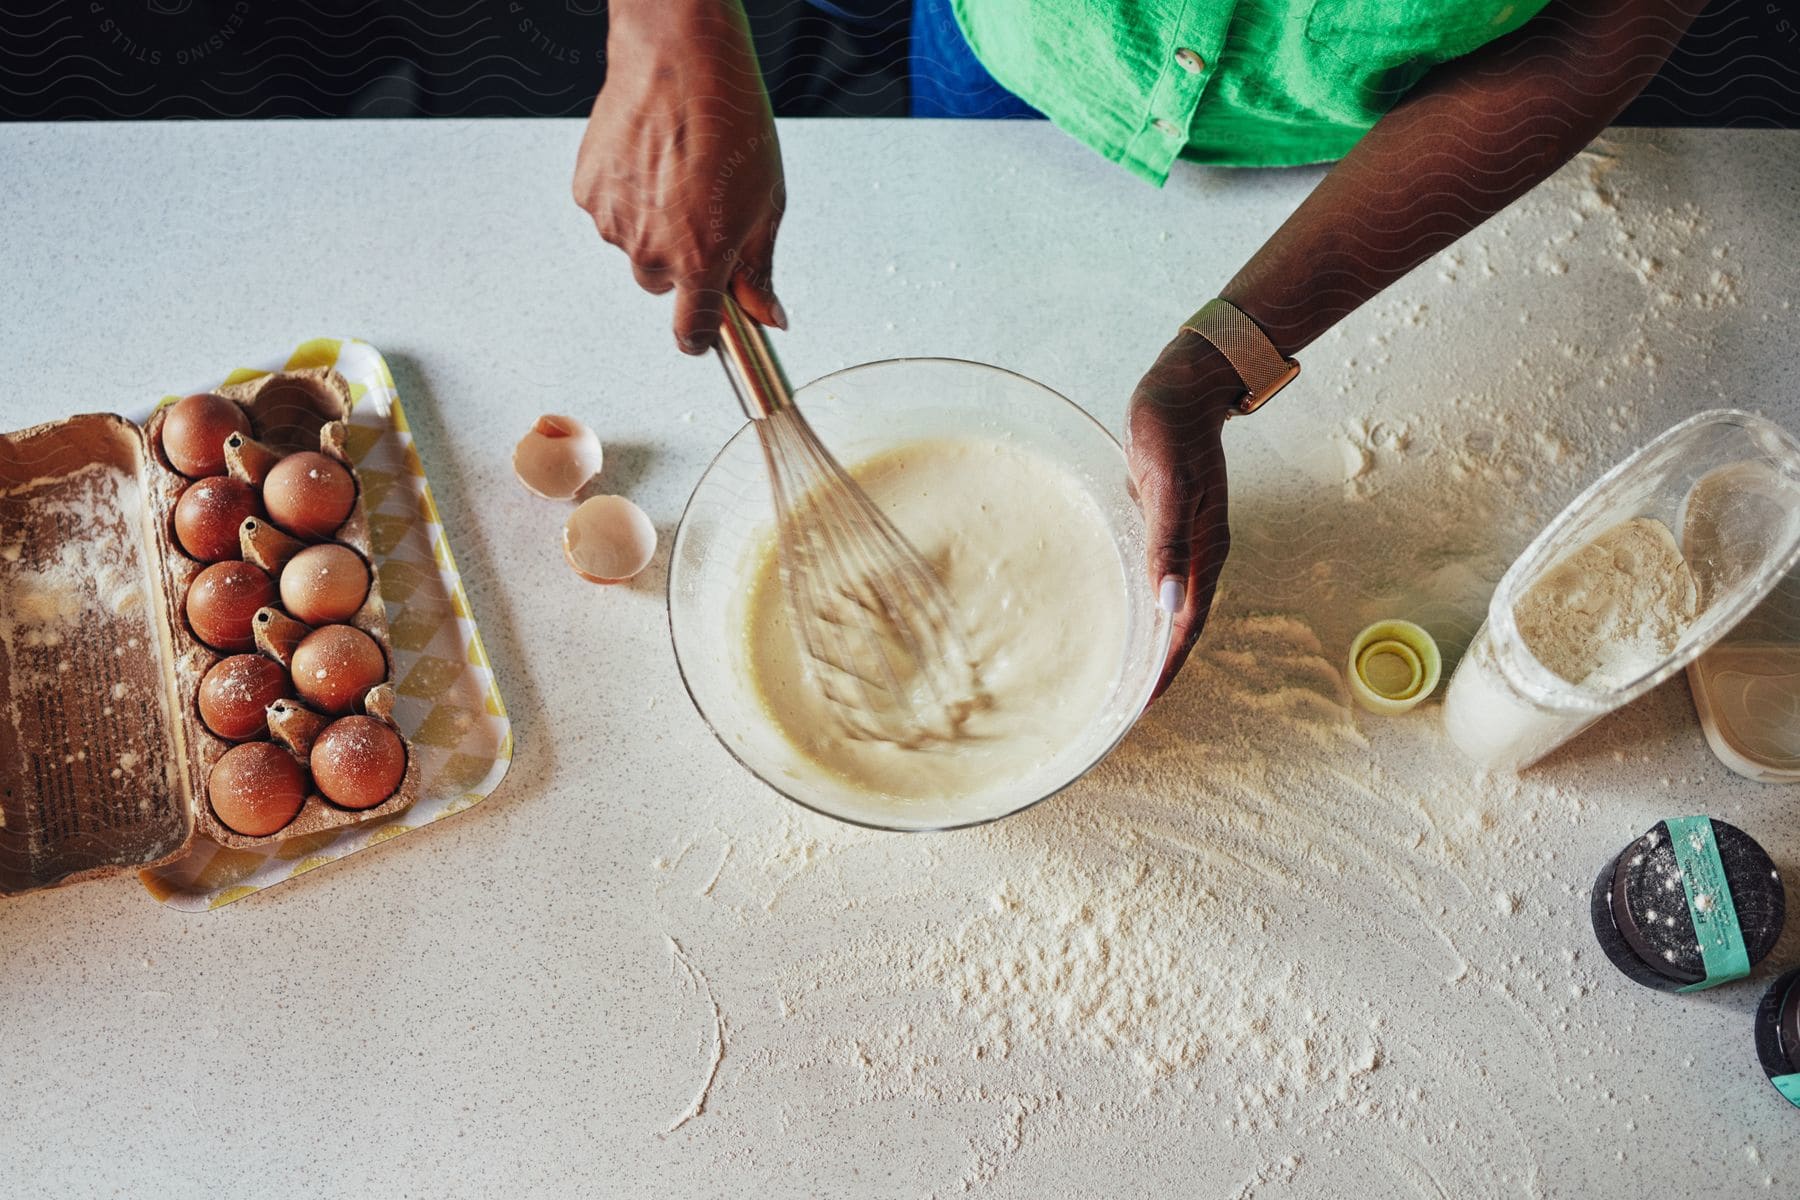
1747,689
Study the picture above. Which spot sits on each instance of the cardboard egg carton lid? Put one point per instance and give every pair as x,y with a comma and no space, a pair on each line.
91,743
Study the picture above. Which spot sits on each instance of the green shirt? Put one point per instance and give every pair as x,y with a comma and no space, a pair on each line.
1232,82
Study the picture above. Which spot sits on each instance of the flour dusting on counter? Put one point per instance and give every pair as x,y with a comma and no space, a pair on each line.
1124,935
692,983
1237,922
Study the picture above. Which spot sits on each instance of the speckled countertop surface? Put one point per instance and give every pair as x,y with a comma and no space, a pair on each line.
1288,953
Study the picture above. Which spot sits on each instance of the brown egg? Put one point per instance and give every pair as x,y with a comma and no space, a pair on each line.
334,667
208,515
322,584
256,789
358,762
222,600
309,495
194,432
236,693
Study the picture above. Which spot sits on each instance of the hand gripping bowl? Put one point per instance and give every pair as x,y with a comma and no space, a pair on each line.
860,412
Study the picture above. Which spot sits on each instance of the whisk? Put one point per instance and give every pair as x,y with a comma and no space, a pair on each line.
879,634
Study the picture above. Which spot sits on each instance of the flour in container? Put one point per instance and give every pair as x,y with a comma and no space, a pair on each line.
1613,609
1602,618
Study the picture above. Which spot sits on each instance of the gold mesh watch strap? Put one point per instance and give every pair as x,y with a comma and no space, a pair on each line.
1247,348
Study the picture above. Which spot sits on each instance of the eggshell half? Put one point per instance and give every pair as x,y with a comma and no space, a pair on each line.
608,539
557,458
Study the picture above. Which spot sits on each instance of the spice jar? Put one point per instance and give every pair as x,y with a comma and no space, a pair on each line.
1778,1035
1691,904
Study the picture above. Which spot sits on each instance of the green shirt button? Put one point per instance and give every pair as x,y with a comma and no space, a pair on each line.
1164,125
1190,62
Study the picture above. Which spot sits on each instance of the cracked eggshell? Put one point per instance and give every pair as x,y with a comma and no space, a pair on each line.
608,539
557,458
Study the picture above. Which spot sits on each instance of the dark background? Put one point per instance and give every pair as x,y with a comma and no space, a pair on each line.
128,59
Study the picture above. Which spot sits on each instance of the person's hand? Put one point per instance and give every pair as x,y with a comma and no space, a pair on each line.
1177,467
679,166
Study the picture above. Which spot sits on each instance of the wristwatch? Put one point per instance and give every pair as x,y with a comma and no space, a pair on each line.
1247,348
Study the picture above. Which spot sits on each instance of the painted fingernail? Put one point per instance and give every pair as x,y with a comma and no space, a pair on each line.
1173,594
778,312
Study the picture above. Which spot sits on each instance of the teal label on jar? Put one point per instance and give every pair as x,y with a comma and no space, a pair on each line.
1709,902
1788,1086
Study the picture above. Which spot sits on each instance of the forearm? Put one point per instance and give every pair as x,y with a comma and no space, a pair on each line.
637,15
679,165
1468,140
673,37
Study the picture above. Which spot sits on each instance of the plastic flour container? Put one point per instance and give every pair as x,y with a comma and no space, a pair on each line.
1726,484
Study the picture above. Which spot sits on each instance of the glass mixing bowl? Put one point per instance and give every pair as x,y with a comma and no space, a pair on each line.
860,412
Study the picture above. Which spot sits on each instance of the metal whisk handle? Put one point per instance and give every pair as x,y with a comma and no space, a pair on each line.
756,375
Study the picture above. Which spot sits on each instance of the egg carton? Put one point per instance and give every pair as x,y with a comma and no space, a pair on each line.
289,411
103,755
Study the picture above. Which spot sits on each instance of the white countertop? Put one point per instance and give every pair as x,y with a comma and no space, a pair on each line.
1268,949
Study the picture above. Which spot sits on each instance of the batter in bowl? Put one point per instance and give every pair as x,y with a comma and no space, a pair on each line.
1031,567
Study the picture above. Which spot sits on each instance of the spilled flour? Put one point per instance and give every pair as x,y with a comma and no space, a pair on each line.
1096,951
692,982
1151,946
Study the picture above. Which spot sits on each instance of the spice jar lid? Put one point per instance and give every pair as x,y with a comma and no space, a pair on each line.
1693,903
1393,666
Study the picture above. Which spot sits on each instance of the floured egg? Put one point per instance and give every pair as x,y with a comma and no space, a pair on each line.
608,539
256,789
208,515
194,432
323,584
222,603
557,458
309,494
235,695
334,667
358,762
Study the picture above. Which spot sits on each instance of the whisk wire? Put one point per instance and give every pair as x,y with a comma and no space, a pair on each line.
914,584
808,563
880,635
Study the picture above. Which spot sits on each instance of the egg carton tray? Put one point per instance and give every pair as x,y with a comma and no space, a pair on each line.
291,410
444,698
